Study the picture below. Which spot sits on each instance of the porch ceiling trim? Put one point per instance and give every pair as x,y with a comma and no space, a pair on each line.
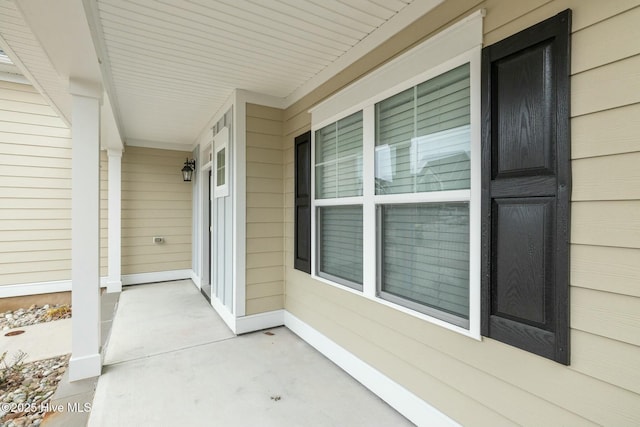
408,15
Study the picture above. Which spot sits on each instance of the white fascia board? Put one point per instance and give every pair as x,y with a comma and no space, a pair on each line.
160,145
65,116
390,28
206,130
262,99
433,52
92,14
110,136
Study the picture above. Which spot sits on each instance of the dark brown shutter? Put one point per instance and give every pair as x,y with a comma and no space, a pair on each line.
302,232
526,188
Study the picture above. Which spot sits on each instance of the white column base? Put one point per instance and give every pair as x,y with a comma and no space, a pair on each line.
114,286
84,367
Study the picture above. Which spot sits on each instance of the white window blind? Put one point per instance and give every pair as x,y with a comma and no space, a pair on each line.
338,158
423,136
340,243
411,187
423,143
424,251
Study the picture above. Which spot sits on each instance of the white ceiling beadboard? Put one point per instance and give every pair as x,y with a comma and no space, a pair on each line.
17,40
169,65
172,63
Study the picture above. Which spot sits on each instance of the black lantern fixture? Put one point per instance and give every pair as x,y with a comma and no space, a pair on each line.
187,169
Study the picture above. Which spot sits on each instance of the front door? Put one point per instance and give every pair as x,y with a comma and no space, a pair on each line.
222,221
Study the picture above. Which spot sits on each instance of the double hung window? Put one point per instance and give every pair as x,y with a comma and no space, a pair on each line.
402,186
338,185
422,149
397,174
395,204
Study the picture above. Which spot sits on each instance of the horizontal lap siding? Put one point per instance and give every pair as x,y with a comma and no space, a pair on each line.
265,201
155,202
35,190
489,383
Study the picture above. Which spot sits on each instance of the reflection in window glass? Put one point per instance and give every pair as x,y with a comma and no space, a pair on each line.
340,243
423,136
425,255
220,167
338,160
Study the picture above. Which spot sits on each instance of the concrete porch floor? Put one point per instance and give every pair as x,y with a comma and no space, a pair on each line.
172,361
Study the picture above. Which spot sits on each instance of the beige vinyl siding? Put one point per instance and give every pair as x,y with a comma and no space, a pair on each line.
35,189
155,202
265,218
490,383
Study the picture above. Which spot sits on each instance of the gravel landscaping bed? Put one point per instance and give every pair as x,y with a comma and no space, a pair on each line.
26,395
26,388
32,315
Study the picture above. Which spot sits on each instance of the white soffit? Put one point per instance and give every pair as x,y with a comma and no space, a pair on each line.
432,54
396,23
24,49
174,63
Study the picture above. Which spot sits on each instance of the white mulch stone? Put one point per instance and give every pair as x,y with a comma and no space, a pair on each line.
32,315
25,393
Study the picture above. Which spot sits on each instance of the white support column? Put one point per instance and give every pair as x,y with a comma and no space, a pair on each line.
85,360
114,282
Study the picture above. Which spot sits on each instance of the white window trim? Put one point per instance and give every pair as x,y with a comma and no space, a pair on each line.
459,44
221,142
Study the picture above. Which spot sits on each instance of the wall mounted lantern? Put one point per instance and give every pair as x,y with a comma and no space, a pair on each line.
187,169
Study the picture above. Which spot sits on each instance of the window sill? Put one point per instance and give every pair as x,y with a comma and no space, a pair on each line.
405,310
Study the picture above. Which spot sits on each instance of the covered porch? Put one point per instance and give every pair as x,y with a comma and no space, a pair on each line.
456,297
170,359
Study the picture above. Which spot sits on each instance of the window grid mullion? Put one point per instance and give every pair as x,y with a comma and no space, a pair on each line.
415,134
369,245
372,202
336,160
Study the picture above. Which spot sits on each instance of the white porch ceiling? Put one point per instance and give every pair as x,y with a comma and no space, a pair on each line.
169,65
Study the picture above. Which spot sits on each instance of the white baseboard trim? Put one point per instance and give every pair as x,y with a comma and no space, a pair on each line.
260,321
408,404
225,314
37,288
156,276
26,289
114,286
196,279
246,324
84,367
